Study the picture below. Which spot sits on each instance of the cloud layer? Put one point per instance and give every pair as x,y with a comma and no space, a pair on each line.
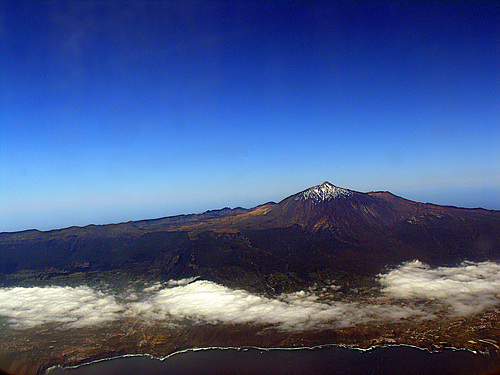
205,301
74,307
467,289
464,290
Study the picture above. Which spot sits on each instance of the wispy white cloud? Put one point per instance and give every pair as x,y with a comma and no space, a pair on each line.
182,281
464,290
201,301
467,289
206,301
74,307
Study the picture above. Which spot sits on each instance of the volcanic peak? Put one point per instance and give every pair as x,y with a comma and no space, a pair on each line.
324,192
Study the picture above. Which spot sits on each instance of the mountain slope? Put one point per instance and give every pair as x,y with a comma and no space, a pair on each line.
329,207
323,230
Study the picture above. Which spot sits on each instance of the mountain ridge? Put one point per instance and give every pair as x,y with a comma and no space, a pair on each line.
226,211
273,245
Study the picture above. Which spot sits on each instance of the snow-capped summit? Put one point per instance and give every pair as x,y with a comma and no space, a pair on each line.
324,192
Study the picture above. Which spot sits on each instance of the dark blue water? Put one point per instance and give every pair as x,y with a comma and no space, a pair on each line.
397,360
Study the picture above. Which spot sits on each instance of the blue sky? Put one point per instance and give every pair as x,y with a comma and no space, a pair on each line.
117,111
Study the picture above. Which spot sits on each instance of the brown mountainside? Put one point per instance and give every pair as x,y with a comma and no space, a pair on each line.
317,231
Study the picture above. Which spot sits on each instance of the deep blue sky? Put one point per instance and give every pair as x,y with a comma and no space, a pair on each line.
116,111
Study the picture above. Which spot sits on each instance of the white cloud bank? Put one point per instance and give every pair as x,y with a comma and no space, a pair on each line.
467,289
205,301
74,307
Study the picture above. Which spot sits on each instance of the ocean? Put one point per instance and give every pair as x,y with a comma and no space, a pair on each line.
328,359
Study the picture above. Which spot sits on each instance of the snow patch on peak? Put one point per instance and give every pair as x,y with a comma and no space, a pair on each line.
324,192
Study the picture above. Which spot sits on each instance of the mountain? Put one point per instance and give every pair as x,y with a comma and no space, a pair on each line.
333,208
323,231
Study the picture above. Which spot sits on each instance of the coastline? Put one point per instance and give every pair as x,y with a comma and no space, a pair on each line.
54,369
33,352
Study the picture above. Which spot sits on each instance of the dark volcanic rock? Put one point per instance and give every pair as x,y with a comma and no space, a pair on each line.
321,230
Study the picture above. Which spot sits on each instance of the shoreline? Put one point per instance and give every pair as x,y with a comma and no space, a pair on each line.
47,371
36,351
